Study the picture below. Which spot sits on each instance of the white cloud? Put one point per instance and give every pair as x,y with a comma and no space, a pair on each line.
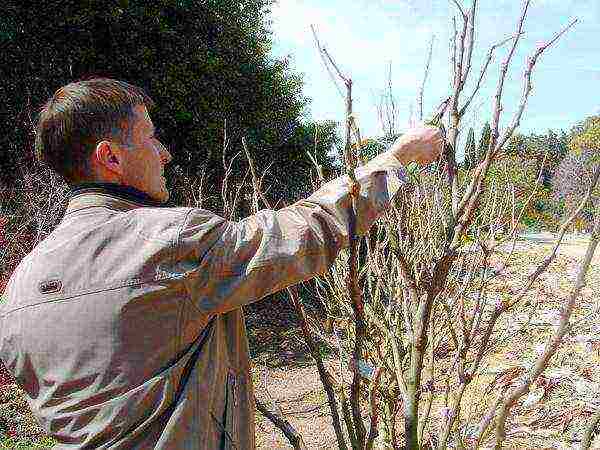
292,20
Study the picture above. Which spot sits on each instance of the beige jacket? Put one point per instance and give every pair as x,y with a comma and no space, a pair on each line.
125,327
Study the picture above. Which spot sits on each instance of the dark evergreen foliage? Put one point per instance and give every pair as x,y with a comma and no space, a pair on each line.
484,141
471,157
204,62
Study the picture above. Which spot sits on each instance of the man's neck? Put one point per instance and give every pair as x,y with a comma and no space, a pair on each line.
117,190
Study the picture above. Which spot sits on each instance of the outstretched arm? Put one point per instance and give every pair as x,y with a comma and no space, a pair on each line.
235,263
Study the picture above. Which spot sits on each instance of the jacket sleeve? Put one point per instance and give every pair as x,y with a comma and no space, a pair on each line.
236,263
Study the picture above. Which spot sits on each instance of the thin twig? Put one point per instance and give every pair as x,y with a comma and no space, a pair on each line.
484,68
374,410
284,426
322,56
425,76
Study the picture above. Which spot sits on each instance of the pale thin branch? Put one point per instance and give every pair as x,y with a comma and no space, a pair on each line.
318,167
503,71
374,411
458,76
527,86
454,49
332,62
256,182
324,60
471,42
487,420
460,8
392,108
484,68
313,158
425,76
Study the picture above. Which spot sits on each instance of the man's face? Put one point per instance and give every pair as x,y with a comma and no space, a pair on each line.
144,157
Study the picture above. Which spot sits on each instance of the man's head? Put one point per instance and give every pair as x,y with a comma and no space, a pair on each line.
99,131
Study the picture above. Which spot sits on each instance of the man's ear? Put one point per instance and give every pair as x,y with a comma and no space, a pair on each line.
108,157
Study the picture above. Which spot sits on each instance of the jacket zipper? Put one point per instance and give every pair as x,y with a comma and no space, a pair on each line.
231,404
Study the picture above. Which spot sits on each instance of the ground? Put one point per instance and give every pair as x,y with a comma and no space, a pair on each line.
553,415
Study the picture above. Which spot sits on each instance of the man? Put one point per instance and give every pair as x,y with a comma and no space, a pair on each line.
124,326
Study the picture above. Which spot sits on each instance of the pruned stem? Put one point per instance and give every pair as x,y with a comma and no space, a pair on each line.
374,410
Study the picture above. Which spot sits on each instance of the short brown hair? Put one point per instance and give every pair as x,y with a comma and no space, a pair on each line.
78,116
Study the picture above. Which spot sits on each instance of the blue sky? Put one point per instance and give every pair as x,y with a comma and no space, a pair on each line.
365,35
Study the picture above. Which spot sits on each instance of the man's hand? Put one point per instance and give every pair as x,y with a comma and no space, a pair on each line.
422,144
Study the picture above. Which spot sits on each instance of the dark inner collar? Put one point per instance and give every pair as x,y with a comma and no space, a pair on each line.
116,190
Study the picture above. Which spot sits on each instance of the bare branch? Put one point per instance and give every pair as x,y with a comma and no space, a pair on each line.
332,62
470,197
527,87
482,73
454,49
471,41
460,8
374,411
324,60
458,75
487,420
425,76
284,426
256,182
503,71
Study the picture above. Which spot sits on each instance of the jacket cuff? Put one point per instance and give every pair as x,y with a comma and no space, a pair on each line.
393,171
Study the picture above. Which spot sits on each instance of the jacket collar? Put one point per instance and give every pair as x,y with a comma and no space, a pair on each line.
114,196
